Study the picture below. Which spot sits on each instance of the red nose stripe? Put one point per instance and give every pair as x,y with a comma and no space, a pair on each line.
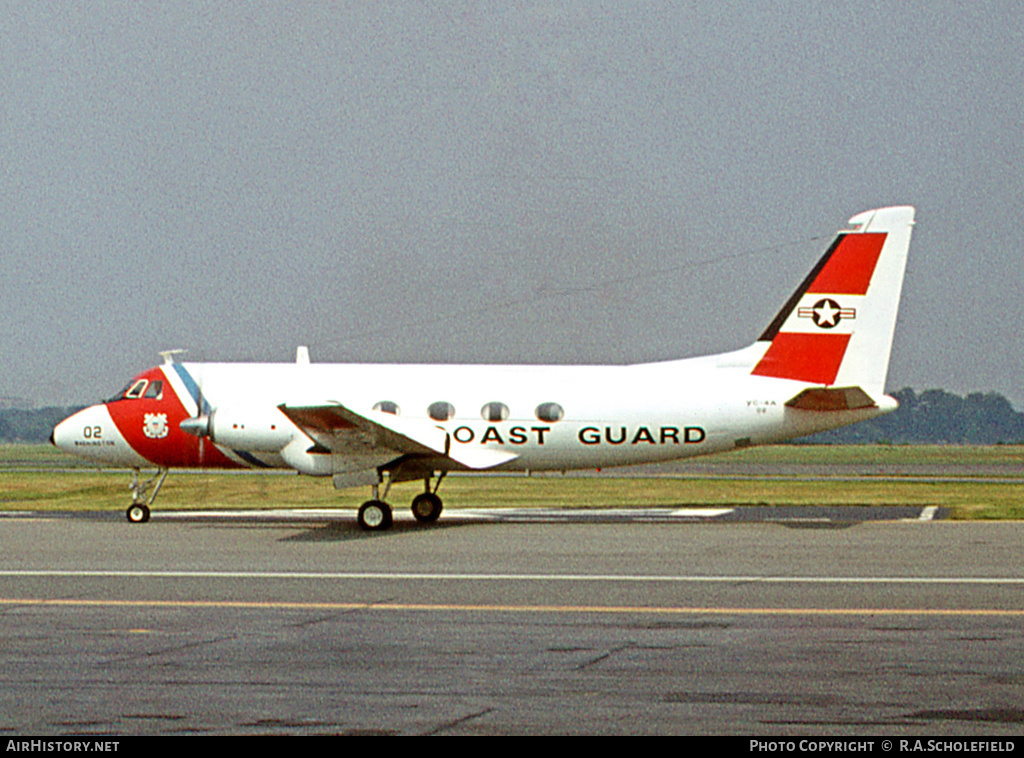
163,443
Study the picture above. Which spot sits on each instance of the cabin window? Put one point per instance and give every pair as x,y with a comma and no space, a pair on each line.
136,390
155,390
441,411
388,406
550,412
494,412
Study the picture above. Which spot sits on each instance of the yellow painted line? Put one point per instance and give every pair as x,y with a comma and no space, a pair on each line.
502,608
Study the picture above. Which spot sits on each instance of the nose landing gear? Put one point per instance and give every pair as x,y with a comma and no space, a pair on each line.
138,511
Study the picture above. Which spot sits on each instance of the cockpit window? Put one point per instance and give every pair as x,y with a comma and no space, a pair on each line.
120,395
136,389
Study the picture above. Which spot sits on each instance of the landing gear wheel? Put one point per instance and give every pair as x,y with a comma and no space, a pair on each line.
426,507
375,516
138,511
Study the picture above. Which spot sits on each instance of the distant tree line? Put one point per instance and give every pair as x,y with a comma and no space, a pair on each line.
937,417
931,417
34,425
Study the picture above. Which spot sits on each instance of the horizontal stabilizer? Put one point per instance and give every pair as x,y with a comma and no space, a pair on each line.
831,399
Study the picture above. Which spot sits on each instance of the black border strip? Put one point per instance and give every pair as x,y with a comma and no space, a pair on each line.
773,328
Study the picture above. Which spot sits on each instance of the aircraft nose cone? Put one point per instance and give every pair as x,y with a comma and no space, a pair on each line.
70,434
92,434
59,436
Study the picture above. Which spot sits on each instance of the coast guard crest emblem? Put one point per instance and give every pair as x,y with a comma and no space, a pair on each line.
154,425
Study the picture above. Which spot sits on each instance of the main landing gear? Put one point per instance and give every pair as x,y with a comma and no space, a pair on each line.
138,511
375,515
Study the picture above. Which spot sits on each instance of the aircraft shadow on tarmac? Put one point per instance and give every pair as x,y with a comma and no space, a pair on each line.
347,530
341,526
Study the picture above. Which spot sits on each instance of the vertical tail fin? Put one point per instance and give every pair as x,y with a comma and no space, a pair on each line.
837,328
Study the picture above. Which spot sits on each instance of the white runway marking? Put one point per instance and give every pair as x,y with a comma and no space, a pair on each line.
569,515
660,514
431,576
468,514
561,514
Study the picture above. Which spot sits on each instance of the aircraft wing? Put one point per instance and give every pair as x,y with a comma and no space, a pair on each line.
346,432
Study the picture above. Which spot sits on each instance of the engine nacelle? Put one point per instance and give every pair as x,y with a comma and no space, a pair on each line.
265,430
297,455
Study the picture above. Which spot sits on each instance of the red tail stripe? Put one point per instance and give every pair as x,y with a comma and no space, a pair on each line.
849,270
805,357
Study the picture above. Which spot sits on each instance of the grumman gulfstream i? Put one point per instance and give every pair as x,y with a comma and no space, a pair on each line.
821,363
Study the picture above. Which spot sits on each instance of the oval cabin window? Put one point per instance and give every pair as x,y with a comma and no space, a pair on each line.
494,412
441,411
550,412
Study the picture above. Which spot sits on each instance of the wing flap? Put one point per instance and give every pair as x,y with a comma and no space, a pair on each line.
375,433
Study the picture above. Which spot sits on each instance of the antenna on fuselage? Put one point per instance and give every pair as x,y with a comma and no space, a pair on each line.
171,356
302,355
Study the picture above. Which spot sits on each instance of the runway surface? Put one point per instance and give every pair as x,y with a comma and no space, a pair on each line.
302,624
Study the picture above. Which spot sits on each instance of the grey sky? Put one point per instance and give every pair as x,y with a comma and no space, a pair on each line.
496,182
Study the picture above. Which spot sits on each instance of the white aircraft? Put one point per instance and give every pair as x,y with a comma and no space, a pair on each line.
820,364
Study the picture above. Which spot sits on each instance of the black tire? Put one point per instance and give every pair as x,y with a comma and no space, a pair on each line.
375,516
426,507
137,513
